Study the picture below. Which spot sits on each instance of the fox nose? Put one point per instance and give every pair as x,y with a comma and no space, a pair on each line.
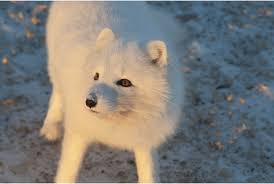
91,103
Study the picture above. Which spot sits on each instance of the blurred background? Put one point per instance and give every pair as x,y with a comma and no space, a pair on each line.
227,131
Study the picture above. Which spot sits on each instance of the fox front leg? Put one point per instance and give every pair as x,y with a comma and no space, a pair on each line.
51,129
73,151
147,165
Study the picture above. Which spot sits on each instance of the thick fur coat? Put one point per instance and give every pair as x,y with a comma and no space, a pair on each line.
116,80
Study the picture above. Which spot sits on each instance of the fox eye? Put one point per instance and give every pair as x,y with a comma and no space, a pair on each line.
124,83
96,76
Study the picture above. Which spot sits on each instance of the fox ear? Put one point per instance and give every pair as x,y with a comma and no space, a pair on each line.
105,37
157,51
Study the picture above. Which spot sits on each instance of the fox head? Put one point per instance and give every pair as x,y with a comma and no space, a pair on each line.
125,80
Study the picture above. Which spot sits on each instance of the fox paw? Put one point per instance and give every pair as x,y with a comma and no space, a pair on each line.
51,132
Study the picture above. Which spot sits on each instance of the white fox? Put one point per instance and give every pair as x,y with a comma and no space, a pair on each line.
114,82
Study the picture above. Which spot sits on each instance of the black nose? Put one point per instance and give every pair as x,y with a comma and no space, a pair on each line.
91,103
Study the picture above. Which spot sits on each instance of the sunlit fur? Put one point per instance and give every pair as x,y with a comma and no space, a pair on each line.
139,117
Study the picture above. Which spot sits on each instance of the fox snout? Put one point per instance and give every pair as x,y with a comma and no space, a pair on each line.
102,98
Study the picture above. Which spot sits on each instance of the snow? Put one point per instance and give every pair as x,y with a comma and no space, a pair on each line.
227,129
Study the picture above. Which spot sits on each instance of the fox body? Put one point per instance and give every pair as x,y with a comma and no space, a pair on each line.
114,82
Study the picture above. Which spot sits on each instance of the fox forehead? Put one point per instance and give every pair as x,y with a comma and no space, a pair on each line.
119,66
134,69
124,61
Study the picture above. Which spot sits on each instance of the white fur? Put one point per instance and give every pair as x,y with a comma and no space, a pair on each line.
85,38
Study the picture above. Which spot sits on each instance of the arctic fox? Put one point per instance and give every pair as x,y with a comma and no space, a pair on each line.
115,80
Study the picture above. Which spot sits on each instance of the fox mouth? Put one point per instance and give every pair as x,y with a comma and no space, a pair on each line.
94,111
124,113
121,113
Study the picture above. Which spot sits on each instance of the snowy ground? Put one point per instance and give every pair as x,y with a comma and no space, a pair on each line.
227,134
